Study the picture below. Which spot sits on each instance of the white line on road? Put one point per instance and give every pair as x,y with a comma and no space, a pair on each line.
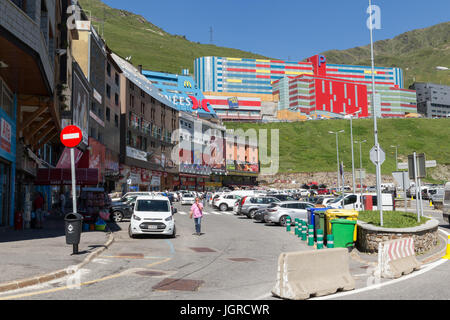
426,268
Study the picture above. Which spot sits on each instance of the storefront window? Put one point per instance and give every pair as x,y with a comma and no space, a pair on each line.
6,99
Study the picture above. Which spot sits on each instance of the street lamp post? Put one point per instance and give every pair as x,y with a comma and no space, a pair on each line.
375,127
351,135
337,150
396,156
360,164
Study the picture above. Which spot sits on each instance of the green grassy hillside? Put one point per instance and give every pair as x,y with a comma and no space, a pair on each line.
417,52
129,34
308,147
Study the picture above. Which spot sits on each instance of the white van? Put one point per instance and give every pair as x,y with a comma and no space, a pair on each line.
356,202
152,215
446,205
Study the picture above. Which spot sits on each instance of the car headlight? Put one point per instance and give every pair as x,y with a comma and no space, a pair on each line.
169,218
135,217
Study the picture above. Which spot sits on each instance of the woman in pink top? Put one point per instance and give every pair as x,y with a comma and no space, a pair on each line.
197,214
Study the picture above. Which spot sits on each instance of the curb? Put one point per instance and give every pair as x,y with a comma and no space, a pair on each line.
19,284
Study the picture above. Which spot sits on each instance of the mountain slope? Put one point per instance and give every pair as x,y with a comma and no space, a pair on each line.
129,34
417,52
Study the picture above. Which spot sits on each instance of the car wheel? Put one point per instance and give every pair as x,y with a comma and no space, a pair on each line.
283,220
223,207
131,233
117,216
252,213
174,233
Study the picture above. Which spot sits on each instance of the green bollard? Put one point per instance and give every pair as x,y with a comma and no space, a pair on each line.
288,224
319,239
304,235
330,241
296,226
311,235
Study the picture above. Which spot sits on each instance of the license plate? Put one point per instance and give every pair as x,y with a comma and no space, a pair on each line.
152,227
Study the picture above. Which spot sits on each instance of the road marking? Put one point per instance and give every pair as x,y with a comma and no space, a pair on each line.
427,268
158,262
172,249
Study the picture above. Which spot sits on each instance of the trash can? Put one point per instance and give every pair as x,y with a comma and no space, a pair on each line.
343,231
73,222
316,217
351,215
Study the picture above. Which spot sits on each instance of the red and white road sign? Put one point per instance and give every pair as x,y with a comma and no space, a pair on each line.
71,136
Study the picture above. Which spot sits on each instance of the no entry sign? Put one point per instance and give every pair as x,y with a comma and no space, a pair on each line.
71,136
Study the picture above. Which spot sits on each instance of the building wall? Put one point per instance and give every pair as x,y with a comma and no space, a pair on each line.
433,100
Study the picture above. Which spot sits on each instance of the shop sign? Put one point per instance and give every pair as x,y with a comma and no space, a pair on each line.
156,181
136,154
5,143
99,121
97,96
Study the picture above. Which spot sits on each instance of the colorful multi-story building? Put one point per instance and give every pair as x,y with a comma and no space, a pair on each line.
236,76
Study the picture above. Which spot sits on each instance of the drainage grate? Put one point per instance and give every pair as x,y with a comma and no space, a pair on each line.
241,259
178,284
203,250
131,255
150,273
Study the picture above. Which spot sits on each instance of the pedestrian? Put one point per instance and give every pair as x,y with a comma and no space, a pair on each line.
62,201
197,214
38,207
204,200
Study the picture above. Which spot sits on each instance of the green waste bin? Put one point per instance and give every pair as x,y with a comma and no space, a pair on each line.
343,231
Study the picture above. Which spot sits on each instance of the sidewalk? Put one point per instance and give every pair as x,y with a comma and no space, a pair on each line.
33,253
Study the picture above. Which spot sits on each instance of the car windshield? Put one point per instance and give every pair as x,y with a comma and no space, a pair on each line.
152,205
337,199
188,195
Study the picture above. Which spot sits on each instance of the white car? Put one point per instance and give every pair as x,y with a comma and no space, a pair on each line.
226,201
187,198
152,215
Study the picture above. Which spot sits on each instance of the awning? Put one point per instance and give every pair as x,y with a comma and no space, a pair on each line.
56,177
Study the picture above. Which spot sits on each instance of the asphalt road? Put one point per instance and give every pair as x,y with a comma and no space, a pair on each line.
234,259
237,259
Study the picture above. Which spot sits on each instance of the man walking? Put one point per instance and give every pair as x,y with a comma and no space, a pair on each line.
197,214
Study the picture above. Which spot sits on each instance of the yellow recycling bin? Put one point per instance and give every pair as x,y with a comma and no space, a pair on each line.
332,214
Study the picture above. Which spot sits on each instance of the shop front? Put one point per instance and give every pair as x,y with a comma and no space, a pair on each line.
112,171
7,155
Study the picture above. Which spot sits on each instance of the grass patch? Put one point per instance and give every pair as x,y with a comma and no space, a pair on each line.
392,219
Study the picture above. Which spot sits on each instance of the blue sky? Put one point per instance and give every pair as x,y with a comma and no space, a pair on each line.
283,29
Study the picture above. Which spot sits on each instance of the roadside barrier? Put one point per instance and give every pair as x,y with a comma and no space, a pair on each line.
447,254
311,235
319,239
304,236
316,272
288,224
296,227
330,241
396,257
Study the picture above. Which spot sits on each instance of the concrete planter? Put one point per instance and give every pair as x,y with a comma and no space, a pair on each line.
425,236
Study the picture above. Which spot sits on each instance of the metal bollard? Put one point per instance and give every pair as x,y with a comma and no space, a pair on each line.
311,235
330,241
288,224
319,239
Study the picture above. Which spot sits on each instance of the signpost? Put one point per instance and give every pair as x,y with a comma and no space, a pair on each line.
71,137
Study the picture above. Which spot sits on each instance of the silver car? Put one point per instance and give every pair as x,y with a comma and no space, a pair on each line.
279,212
249,205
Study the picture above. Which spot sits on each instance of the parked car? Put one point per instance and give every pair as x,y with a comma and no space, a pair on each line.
187,198
323,191
324,200
279,212
152,215
249,205
133,195
259,215
122,209
282,197
356,201
225,201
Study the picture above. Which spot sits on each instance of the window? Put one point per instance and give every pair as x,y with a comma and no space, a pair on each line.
108,91
116,99
350,199
117,79
108,69
131,101
131,85
116,120
108,114
152,205
142,107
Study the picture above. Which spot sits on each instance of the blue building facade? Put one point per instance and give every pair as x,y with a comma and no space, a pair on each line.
182,91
